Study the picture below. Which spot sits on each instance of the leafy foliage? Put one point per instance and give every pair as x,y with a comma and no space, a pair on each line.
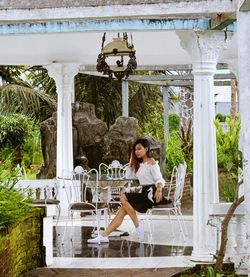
229,156
174,122
21,93
104,93
228,186
32,148
13,131
19,139
187,145
13,205
221,117
174,152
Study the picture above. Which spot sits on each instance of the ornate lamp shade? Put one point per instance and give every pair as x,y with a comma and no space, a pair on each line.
119,48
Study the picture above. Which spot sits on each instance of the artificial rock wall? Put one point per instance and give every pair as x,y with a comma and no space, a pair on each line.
93,143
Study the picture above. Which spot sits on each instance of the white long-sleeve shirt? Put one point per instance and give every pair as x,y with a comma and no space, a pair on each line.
147,174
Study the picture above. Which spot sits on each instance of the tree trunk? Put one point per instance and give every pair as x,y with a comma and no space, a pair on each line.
234,92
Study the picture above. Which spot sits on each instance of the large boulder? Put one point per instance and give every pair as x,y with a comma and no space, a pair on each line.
93,143
48,137
88,134
118,141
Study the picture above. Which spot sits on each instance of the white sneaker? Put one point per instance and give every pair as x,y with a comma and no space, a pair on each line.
140,233
99,239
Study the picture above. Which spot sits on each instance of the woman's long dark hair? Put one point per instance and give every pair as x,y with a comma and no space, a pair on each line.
136,161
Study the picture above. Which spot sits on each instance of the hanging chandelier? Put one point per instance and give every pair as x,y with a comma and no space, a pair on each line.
119,48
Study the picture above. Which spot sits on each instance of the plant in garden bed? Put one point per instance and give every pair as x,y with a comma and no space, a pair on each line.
229,157
227,144
13,205
208,271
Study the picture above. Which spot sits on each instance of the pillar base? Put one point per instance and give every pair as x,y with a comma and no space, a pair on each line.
202,257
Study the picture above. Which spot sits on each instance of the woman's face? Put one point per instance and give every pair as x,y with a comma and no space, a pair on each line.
140,151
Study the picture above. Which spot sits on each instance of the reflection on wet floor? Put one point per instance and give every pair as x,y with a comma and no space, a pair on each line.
118,246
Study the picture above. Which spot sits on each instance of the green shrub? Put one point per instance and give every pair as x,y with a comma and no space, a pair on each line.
228,154
174,152
174,122
13,205
227,186
221,117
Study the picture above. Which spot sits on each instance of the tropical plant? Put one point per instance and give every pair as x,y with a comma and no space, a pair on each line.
174,122
174,152
104,93
221,117
13,131
19,93
32,148
228,154
13,205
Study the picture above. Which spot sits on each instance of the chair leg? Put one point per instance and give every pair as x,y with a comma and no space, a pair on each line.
98,215
150,225
106,218
71,229
59,214
180,224
64,231
182,221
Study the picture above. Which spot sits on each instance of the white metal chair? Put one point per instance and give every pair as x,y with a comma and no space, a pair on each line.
174,208
82,191
116,173
113,171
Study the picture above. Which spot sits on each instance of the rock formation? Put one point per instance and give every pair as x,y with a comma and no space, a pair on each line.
93,143
119,140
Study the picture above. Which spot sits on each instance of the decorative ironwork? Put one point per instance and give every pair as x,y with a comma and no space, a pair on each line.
118,47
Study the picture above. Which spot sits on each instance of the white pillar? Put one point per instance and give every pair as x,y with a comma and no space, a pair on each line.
165,112
63,74
125,109
204,49
243,33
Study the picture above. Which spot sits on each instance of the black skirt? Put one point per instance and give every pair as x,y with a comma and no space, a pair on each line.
143,200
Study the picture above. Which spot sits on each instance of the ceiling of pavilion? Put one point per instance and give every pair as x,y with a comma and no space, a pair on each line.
153,47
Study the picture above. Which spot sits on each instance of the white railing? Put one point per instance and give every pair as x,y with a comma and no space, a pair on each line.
236,250
39,188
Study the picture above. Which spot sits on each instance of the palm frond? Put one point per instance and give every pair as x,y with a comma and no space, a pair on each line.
18,98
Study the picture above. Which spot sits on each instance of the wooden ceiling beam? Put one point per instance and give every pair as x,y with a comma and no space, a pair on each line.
222,20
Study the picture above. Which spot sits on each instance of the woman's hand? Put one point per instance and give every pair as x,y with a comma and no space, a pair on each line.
132,161
158,194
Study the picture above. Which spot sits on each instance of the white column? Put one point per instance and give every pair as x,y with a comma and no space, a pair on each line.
204,49
125,110
243,36
165,112
63,74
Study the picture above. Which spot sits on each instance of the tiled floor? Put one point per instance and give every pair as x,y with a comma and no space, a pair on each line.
165,247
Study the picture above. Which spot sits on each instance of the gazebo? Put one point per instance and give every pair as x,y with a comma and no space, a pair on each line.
65,38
